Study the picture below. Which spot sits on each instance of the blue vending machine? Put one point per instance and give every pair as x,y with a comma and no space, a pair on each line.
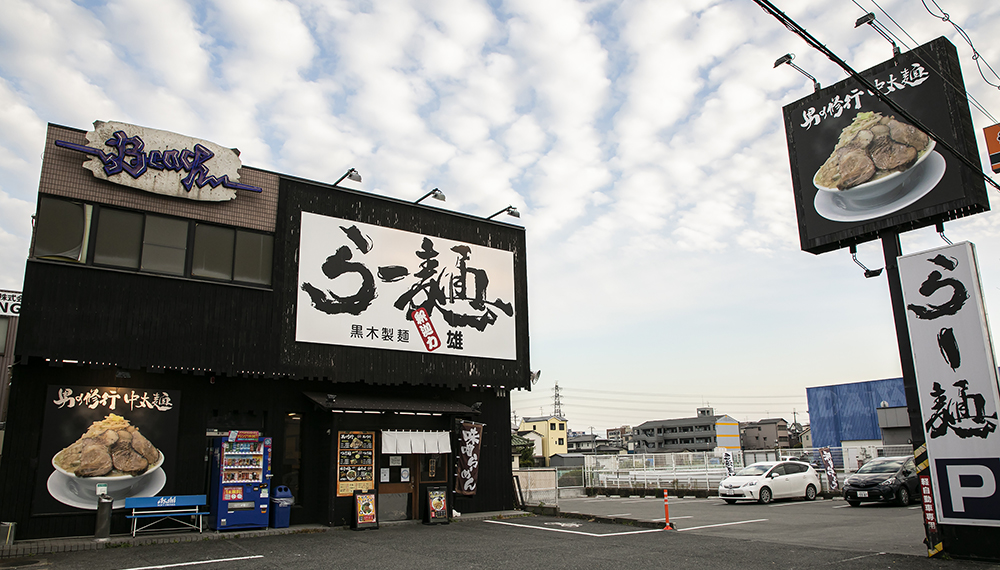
241,478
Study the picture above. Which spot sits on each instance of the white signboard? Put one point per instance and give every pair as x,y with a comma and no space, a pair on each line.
161,162
956,382
377,287
10,303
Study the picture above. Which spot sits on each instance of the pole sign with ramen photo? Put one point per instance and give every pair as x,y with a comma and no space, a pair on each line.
859,169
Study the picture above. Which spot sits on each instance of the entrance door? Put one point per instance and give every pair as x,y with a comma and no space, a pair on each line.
398,498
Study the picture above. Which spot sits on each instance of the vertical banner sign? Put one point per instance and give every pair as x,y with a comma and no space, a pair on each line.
727,458
993,145
470,442
956,382
830,467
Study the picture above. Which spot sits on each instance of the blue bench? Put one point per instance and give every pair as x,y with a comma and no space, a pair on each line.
165,508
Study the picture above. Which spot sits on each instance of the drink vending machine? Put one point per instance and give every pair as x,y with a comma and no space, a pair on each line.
241,477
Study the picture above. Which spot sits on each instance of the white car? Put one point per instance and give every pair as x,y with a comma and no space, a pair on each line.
769,480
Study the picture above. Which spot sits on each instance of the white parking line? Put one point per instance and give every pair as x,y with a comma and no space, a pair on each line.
575,531
721,524
789,504
618,515
841,506
664,519
195,563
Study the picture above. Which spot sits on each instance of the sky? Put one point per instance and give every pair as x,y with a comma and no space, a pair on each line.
641,141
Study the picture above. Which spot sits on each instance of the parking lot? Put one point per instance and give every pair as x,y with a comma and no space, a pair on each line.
827,523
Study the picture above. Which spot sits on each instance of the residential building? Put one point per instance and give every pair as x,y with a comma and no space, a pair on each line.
704,432
553,431
770,433
620,436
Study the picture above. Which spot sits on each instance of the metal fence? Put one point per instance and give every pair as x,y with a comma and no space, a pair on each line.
699,471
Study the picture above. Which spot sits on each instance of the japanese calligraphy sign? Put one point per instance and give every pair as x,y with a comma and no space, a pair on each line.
857,168
376,287
10,303
830,468
469,444
956,381
992,134
161,162
127,439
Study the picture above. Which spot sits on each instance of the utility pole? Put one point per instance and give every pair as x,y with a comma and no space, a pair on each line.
556,401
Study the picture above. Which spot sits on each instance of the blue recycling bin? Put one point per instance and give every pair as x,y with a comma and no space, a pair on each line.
281,507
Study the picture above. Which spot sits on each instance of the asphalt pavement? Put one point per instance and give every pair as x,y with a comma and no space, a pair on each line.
710,534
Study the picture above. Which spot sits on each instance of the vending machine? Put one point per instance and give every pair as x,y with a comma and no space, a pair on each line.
241,477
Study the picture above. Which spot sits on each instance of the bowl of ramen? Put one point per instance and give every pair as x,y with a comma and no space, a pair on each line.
112,452
872,161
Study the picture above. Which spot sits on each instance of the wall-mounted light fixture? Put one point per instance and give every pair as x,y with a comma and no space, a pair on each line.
510,210
435,193
352,174
787,58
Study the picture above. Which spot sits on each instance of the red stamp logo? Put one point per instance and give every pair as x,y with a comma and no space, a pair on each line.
426,329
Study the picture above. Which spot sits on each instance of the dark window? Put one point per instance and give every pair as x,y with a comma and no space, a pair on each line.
552,427
119,238
253,259
562,426
61,230
213,252
561,441
778,470
164,245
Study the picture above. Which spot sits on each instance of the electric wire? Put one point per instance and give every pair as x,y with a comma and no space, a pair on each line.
975,102
976,56
798,30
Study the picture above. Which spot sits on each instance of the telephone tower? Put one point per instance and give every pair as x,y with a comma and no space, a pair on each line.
556,402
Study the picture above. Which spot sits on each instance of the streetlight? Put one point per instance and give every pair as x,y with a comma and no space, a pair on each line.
787,58
435,193
352,174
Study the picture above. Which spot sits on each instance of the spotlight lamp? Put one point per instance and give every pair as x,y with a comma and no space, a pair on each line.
869,19
509,210
351,174
435,193
787,58
869,273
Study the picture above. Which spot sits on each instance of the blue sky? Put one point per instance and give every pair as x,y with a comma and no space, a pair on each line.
642,142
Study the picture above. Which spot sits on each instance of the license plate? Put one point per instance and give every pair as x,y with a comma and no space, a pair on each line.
729,491
862,494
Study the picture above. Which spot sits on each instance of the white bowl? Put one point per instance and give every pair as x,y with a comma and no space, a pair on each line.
118,486
878,192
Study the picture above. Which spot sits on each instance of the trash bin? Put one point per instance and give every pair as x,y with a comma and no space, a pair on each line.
102,529
281,507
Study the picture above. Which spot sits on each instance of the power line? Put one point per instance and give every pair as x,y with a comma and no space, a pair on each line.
945,17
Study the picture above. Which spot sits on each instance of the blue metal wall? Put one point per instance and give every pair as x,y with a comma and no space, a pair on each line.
846,412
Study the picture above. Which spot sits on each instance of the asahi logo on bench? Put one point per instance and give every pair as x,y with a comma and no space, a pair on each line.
167,502
161,162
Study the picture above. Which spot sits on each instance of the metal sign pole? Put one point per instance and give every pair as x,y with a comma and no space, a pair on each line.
891,250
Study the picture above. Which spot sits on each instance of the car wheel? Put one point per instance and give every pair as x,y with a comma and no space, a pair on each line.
810,493
731,501
854,503
903,496
764,496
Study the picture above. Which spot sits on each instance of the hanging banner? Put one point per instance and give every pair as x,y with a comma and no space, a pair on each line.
830,467
956,382
470,441
727,459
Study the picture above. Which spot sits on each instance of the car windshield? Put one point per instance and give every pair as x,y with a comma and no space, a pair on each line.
751,470
881,466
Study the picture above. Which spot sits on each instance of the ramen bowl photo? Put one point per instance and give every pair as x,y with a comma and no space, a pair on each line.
873,160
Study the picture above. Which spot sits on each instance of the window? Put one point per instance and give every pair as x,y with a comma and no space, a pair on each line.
253,258
561,441
119,238
4,323
164,245
562,427
62,229
552,427
148,242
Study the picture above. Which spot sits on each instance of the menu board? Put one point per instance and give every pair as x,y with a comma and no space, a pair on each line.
355,462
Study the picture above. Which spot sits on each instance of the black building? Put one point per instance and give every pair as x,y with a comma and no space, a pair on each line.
266,312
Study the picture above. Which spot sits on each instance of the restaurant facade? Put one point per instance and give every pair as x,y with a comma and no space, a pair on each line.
373,340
